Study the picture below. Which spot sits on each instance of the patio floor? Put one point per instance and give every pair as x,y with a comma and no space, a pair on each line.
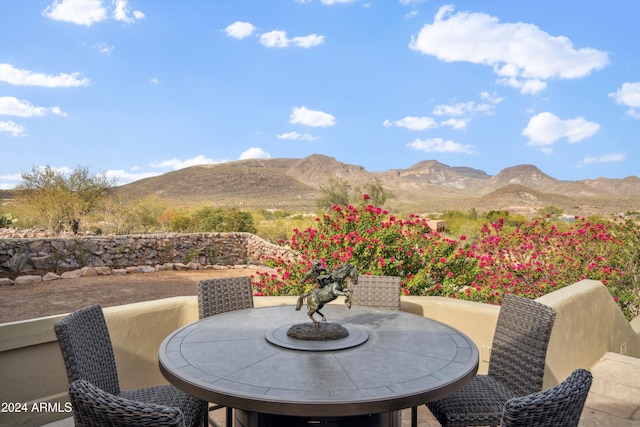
613,401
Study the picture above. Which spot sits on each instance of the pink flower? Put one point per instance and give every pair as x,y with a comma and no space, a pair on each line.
366,197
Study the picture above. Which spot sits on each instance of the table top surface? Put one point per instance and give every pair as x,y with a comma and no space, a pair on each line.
406,361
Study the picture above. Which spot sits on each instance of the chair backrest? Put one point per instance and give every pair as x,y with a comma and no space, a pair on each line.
377,291
224,294
519,348
557,406
95,407
86,348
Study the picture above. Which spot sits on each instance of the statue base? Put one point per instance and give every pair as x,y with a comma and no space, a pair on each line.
324,337
321,332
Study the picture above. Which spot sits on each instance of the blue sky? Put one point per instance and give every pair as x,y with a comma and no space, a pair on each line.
138,88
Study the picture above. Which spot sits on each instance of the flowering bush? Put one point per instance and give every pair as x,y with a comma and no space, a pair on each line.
530,261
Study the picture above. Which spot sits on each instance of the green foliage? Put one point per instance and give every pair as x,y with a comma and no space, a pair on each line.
181,222
338,192
529,258
140,215
82,252
376,194
211,219
275,225
191,255
550,211
368,237
60,202
6,220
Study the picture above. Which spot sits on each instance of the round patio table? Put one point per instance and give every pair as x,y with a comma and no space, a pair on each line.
235,359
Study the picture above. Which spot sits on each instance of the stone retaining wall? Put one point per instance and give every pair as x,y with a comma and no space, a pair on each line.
22,255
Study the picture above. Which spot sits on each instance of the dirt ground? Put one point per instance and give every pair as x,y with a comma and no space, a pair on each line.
19,302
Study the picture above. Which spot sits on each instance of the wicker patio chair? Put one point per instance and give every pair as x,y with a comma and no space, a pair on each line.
377,291
91,367
95,407
558,406
516,366
216,296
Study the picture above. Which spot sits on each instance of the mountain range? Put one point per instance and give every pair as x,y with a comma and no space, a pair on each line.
427,186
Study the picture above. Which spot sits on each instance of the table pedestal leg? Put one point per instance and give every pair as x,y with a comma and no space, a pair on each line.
257,419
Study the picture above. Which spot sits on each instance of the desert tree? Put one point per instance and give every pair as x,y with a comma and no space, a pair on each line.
378,195
338,191
62,201
335,192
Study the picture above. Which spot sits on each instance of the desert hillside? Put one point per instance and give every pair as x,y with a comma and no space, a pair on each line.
427,186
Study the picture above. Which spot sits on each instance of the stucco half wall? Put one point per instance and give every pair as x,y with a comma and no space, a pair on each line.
588,324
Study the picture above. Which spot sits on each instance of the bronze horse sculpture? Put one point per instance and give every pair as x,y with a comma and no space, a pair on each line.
330,287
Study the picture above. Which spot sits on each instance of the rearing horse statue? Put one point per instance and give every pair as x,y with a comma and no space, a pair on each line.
330,287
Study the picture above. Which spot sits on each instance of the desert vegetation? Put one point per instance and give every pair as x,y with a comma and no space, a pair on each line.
526,257
481,256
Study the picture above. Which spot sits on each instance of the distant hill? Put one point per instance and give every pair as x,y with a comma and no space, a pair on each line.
426,186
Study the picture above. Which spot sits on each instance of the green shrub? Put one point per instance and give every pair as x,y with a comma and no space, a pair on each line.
528,259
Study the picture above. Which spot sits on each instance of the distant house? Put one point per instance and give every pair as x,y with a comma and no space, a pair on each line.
436,224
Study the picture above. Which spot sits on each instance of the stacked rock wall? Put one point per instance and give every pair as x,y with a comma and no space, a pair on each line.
22,255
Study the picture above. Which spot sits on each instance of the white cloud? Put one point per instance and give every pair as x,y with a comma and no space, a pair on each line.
176,164
522,55
155,81
629,95
12,106
89,12
12,127
254,153
308,41
296,136
123,177
124,14
17,77
81,12
411,14
411,2
606,158
103,48
239,30
412,123
279,39
454,110
10,181
276,38
545,129
460,114
313,118
457,124
331,2
438,145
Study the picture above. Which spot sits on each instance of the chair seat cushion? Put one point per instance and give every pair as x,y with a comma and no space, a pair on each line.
168,395
479,403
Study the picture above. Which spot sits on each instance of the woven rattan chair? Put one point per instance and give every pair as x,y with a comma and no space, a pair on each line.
217,296
94,389
377,291
558,406
516,366
95,407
